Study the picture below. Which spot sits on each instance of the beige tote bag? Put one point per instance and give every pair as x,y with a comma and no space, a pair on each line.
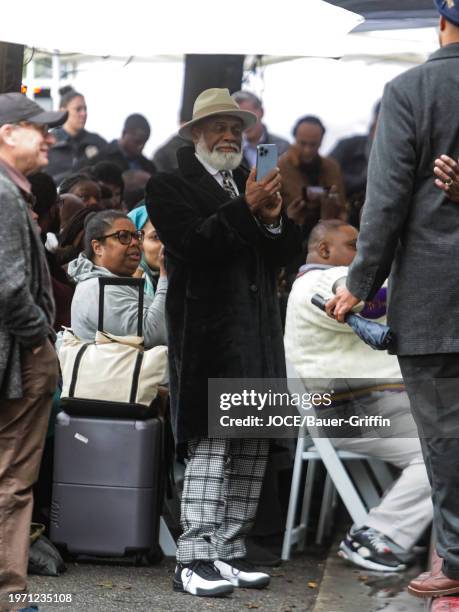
112,368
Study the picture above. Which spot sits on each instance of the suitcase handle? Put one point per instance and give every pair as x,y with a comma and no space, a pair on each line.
129,282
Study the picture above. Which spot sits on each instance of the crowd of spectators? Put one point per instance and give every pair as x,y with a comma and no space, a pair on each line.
96,224
86,175
93,221
90,210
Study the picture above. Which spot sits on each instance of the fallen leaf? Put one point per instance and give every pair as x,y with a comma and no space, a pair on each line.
312,584
107,584
252,606
363,578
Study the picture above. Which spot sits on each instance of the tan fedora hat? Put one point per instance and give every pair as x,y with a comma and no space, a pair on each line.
213,102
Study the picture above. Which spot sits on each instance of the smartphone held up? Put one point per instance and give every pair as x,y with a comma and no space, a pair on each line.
266,159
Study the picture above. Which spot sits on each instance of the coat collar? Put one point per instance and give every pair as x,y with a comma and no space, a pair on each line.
445,52
16,177
192,169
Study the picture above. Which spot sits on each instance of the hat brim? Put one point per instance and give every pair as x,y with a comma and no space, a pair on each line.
248,119
50,118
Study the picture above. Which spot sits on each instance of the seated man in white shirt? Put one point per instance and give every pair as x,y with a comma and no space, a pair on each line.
319,347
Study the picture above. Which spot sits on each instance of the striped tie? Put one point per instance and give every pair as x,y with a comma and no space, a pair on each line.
228,183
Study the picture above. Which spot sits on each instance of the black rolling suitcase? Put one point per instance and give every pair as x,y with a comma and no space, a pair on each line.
107,485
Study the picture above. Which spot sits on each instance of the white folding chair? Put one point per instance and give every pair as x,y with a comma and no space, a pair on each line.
312,449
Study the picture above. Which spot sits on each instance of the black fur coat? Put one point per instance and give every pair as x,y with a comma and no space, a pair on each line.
222,308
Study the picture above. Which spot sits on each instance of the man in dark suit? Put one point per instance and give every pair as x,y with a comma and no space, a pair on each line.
225,237
410,229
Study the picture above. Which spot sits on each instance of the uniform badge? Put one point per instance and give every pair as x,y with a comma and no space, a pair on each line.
91,151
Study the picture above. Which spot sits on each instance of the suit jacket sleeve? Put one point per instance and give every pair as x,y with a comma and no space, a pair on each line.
22,317
391,177
281,248
192,237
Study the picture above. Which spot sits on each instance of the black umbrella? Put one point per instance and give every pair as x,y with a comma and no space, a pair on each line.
378,336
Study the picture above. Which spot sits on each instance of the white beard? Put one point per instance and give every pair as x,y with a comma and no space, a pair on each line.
218,159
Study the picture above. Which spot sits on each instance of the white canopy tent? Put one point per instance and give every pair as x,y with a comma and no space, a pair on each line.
142,28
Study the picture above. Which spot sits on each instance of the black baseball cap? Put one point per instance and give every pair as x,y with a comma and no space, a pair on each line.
15,107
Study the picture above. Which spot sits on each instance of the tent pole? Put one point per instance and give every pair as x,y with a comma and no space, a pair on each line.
11,61
56,76
205,71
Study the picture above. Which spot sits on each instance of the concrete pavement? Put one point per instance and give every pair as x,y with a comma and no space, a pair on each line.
107,587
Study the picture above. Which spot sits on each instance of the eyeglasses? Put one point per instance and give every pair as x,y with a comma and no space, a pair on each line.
125,236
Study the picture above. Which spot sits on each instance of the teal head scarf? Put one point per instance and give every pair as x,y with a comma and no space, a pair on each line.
139,216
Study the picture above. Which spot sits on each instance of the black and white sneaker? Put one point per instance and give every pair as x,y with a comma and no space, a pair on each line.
201,578
241,573
370,549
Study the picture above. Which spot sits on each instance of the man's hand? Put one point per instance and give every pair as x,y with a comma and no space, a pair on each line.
340,305
447,172
270,213
296,211
263,197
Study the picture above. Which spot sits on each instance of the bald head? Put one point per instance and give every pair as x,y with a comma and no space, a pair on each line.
332,243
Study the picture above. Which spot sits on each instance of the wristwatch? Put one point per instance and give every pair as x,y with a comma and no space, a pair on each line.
271,226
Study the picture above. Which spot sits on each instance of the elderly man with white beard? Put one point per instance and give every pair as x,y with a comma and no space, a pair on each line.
225,237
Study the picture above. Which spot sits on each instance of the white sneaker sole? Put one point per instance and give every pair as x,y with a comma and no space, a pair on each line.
260,583
349,555
219,591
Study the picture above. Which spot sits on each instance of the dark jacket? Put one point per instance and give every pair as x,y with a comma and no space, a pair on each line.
268,138
113,153
222,309
352,154
165,158
26,303
409,227
281,143
72,152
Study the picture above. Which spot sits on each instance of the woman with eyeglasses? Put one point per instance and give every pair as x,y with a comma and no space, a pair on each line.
113,247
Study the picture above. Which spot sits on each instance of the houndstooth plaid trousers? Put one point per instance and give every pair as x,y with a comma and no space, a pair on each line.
222,485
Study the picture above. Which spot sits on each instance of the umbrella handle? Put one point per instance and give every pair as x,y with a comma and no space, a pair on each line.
318,301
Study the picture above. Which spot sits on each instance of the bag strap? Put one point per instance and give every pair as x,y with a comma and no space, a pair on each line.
76,366
129,282
135,377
